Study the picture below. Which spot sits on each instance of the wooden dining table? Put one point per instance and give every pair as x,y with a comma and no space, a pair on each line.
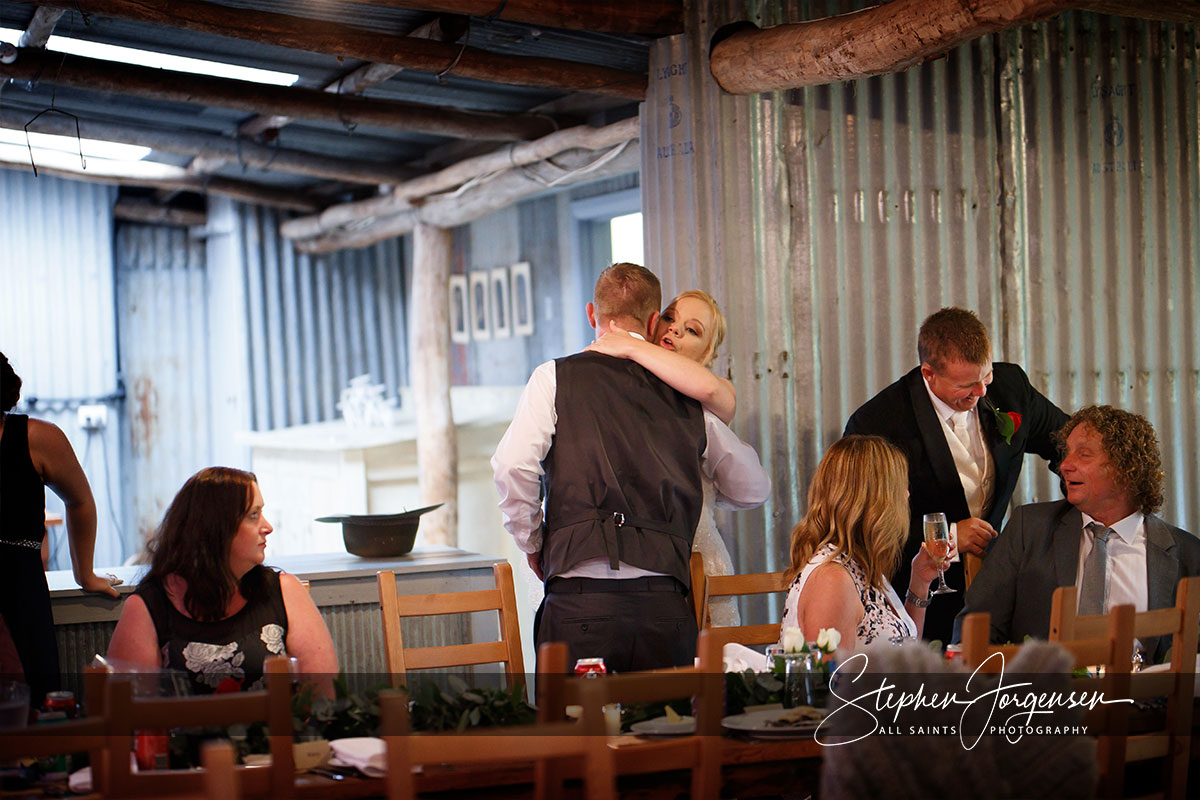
749,767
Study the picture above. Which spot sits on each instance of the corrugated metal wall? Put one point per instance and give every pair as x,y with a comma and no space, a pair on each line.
829,221
57,327
162,302
315,323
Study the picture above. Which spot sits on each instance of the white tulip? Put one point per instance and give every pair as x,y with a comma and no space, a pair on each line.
829,639
792,640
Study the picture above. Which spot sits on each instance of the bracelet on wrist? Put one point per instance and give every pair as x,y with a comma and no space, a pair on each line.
919,602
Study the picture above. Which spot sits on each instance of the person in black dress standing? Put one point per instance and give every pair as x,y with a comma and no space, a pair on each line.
35,454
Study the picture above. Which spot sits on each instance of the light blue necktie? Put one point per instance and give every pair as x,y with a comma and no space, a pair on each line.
1093,592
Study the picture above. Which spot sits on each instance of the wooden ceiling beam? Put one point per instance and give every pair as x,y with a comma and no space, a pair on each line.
890,38
157,214
150,174
346,41
648,17
252,154
874,41
38,31
182,87
444,28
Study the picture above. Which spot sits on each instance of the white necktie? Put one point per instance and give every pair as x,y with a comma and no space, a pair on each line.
958,422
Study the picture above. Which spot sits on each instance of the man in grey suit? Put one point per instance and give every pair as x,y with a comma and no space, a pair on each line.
1104,538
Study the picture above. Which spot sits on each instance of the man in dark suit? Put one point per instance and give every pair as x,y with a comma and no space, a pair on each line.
620,459
1104,538
965,424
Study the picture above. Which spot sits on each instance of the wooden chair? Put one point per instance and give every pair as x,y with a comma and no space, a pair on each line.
700,753
971,565
502,599
127,714
534,743
75,736
1108,645
737,585
220,771
1171,742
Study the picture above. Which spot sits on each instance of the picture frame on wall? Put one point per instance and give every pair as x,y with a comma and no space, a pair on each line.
522,299
460,315
501,308
481,326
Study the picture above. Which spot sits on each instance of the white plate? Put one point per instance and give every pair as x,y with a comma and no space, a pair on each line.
755,723
661,726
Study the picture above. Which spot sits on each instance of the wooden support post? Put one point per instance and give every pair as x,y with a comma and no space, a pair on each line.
437,444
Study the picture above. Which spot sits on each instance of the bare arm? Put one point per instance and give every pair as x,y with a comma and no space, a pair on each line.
56,462
307,638
924,570
135,639
829,600
678,371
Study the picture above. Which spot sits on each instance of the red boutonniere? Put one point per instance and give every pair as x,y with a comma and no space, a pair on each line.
1007,422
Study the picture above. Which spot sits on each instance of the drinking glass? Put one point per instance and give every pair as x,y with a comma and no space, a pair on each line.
937,538
797,671
14,704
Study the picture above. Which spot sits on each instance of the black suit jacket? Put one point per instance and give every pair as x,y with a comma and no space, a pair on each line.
1039,551
904,415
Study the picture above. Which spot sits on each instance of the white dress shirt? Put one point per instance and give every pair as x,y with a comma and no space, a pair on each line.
1125,568
732,464
972,458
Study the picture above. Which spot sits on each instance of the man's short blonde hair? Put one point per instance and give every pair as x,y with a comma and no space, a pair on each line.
950,334
627,290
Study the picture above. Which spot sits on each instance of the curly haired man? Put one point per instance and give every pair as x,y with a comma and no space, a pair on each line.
1104,538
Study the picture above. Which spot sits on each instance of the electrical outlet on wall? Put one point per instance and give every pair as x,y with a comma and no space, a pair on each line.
93,417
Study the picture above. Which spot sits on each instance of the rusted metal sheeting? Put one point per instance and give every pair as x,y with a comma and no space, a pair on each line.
827,222
57,327
1103,286
830,221
316,322
162,301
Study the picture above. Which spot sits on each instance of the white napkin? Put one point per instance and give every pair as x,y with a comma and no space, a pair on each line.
1165,667
367,754
739,658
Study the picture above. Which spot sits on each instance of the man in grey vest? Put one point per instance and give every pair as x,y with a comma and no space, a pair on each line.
619,457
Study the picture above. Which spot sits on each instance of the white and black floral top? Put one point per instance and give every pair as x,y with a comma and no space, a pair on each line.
884,616
224,655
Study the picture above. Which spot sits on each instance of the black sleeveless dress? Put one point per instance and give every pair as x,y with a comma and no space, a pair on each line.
24,595
226,654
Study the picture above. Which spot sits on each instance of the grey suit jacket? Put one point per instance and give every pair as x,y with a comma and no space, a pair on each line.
1039,551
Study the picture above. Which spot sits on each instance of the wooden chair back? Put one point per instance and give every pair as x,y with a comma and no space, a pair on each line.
740,585
1110,648
705,684
88,734
531,743
502,599
971,565
1171,742
128,714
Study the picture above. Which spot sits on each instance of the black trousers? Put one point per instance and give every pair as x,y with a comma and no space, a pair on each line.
635,624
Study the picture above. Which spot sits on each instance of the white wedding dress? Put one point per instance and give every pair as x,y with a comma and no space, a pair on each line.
708,543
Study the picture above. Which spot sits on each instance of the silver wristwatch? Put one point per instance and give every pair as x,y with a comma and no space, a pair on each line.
919,602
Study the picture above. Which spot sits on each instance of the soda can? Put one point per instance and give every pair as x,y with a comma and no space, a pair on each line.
151,749
63,701
590,667
953,652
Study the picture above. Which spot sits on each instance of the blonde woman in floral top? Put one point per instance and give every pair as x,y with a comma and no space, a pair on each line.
849,544
208,606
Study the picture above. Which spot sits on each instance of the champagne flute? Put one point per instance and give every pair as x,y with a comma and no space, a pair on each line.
937,541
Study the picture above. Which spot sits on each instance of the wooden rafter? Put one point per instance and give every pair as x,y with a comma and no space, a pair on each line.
40,27
649,17
405,195
320,36
444,28
889,38
183,87
211,145
150,174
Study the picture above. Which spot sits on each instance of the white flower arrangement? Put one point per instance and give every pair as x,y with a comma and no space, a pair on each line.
793,641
